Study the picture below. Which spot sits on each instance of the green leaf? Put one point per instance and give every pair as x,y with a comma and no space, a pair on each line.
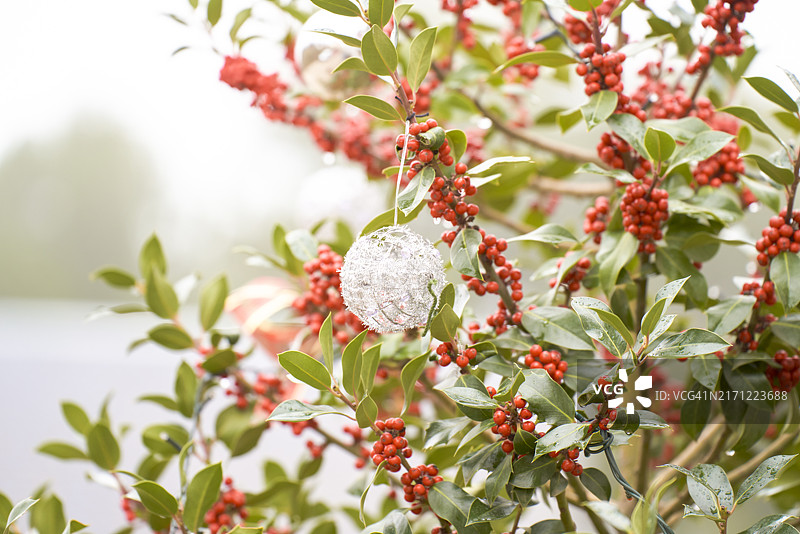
544,58
772,524
784,270
370,360
553,234
788,329
652,317
326,342
352,360
464,252
380,12
702,146
152,257
730,313
471,398
765,473
490,164
159,295
62,451
248,439
409,375
351,63
201,494
532,473
682,130
458,143
563,437
584,5
114,277
387,219
630,129
752,118
366,490
214,11
782,175
302,244
366,412
185,389
241,18
709,487
645,513
294,411
212,301
171,336
103,448
547,399
378,52
673,263
772,92
306,369
659,144
618,174
453,504
395,522
219,361
600,107
481,513
73,526
18,511
376,107
706,369
445,325
498,479
695,411
419,61
559,326
76,417
153,438
239,529
596,481
692,342
440,432
414,193
605,315
156,499
339,7
612,264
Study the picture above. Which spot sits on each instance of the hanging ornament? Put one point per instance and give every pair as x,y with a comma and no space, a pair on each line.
389,279
318,54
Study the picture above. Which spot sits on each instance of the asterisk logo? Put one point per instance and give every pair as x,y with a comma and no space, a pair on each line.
642,383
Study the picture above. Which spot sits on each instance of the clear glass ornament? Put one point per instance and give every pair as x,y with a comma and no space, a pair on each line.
389,278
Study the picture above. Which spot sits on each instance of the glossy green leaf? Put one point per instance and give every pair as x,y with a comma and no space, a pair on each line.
481,513
674,264
630,129
380,11
772,92
185,389
294,411
103,448
62,451
351,63
559,326
532,473
380,109
730,313
352,361
464,252
219,361
612,264
414,193
306,369
453,504
659,144
326,342
782,175
201,494
498,479
706,369
151,257
387,219
458,143
785,272
366,412
441,431
76,417
471,398
544,58
702,146
409,375
371,359
596,482
751,117
552,234
212,301
214,11
772,524
114,277
445,325
302,244
546,399
378,52
18,511
562,437
171,336
491,164
156,499
339,7
600,107
419,61
692,342
769,470
160,296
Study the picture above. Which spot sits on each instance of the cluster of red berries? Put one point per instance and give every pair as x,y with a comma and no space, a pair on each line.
601,70
516,46
782,234
721,168
324,295
464,33
617,153
570,463
596,218
358,435
508,419
416,483
642,214
448,354
746,340
549,360
764,293
511,9
448,200
572,279
128,507
724,16
224,512
788,376
579,31
425,148
391,442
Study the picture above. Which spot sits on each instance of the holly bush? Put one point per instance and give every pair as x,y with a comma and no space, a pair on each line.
609,387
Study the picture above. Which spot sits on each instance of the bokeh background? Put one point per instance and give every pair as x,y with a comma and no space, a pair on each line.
106,137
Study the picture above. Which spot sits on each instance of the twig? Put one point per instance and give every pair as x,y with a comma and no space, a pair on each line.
566,152
515,526
566,515
546,184
499,217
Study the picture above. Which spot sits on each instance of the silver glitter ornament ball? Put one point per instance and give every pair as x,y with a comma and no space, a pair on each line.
385,279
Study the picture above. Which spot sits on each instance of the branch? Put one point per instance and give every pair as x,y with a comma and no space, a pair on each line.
566,515
744,470
546,184
500,217
563,151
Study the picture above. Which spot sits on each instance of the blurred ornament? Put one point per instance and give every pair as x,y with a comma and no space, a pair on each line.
318,54
385,279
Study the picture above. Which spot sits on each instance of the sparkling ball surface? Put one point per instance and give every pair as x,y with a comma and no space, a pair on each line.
385,279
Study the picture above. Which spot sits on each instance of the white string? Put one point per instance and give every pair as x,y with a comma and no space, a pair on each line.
400,174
